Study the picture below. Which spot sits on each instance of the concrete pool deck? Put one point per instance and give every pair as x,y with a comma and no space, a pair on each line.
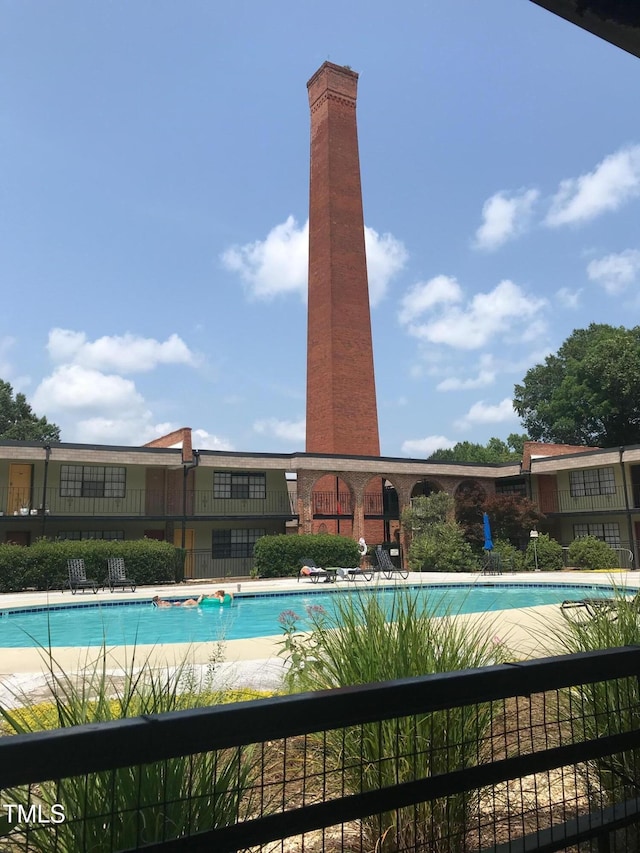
255,662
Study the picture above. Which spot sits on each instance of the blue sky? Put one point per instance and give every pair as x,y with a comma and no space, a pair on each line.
155,162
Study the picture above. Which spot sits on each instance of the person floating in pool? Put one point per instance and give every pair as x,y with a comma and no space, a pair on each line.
160,602
218,598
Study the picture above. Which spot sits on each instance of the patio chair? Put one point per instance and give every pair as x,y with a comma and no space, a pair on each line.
592,608
78,577
385,565
492,563
353,574
117,575
310,569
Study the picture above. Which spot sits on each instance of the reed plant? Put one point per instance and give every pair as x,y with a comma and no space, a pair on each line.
609,707
363,641
130,806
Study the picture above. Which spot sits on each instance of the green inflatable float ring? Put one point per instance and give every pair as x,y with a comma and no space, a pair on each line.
215,602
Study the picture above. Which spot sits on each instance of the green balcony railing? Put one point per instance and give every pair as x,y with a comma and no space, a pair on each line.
567,501
141,503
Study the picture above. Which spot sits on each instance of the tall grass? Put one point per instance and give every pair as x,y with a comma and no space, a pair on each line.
128,807
609,707
361,641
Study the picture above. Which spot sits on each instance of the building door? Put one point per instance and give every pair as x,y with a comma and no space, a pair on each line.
18,537
19,488
154,491
189,544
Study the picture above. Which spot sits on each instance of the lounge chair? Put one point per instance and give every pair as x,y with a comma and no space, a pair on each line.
117,575
354,574
310,569
386,566
78,577
592,608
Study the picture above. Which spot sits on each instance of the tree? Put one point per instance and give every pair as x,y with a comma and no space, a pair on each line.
495,450
512,517
588,393
427,511
19,422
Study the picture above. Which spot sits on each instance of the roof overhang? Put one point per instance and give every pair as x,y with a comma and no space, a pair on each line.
615,21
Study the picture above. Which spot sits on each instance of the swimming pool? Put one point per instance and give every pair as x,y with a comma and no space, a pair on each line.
128,623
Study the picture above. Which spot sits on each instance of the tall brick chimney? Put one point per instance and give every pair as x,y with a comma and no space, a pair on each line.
342,415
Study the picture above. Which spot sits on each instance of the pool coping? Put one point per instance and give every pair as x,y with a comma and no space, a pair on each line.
95,603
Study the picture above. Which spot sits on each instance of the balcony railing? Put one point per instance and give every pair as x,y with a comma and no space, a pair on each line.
566,501
144,504
332,503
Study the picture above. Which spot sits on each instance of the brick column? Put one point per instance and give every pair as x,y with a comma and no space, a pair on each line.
341,398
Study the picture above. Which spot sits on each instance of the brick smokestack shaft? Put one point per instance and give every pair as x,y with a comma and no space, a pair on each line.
341,396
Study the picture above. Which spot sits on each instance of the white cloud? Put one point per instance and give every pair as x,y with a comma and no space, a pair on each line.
287,430
76,388
426,446
276,265
504,310
481,413
616,272
613,182
442,289
279,264
386,257
504,217
123,353
203,440
568,298
453,383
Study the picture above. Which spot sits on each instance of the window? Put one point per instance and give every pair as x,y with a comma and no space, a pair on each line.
92,481
226,484
609,533
596,481
90,534
235,543
512,487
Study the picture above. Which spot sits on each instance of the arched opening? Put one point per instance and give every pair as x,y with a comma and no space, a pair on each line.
332,506
381,511
423,488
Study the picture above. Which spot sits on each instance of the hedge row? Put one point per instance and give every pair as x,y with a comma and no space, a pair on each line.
44,564
279,556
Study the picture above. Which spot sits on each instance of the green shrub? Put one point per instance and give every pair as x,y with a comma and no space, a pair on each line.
442,549
44,564
279,556
548,552
588,552
13,568
361,641
511,559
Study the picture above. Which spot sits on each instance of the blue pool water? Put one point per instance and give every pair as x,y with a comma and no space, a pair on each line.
127,623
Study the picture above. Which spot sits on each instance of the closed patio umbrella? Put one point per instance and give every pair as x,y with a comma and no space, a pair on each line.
488,542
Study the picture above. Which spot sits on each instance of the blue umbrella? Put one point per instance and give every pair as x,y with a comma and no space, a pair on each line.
488,544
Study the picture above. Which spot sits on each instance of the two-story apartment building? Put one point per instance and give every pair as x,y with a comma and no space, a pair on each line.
216,504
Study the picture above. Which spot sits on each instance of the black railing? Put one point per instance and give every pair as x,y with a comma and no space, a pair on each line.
404,765
142,503
201,564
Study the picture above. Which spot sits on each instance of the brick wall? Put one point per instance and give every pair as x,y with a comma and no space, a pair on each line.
540,448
